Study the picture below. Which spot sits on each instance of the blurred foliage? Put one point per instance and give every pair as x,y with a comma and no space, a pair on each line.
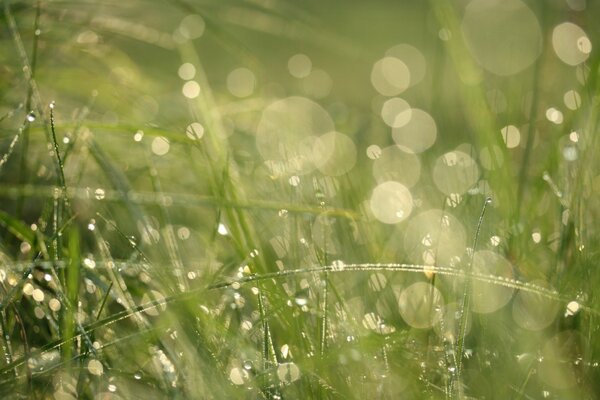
274,199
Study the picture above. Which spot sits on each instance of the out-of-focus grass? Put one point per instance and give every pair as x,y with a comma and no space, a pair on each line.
181,222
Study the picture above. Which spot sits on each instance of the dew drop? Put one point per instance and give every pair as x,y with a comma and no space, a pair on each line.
338,265
31,116
138,136
99,194
222,230
572,308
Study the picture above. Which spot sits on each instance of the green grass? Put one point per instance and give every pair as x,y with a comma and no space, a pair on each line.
260,255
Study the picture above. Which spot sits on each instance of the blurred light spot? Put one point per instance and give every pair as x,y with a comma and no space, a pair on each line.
454,199
288,372
238,376
504,36
445,34
511,136
138,136
571,44
241,82
495,240
489,297
555,116
391,202
299,65
194,131
183,233
416,303
418,134
39,313
160,146
38,295
455,172
25,247
54,305
390,76
294,180
536,236
412,58
192,26
533,311
287,132
396,112
28,289
572,100
99,194
377,282
88,37
434,229
285,351
570,153
373,152
95,367
317,84
222,230
186,71
191,89
574,137
334,154
396,165
371,321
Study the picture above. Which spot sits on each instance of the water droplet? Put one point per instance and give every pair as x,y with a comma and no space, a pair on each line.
572,308
248,365
138,136
52,104
99,194
222,230
338,265
301,301
137,376
31,116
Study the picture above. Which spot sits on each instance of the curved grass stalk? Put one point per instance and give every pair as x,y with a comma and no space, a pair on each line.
348,268
466,299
